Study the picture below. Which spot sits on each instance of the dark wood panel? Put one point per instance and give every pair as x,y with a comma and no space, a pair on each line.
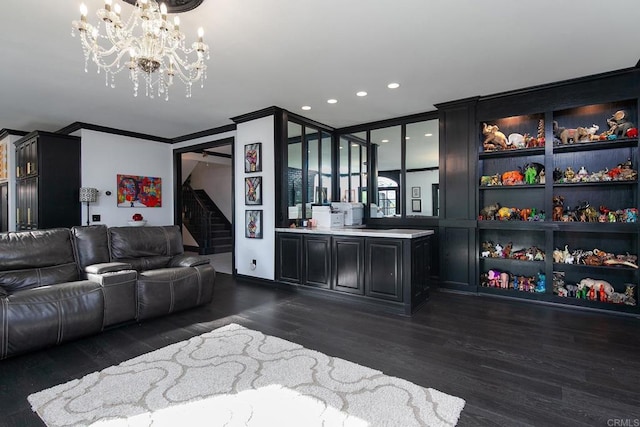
383,269
317,261
288,258
420,271
457,246
348,264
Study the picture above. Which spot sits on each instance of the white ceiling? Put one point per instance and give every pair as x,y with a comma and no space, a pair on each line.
290,53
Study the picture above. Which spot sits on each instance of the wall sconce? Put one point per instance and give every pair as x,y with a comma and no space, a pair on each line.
88,195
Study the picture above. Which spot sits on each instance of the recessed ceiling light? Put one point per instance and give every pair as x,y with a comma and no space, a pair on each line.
361,93
385,140
393,85
407,137
354,145
306,107
428,134
332,101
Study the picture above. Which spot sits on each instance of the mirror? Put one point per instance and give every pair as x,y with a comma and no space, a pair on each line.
326,170
386,150
421,168
294,171
314,189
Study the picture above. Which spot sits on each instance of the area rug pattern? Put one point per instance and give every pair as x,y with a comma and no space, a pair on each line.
234,376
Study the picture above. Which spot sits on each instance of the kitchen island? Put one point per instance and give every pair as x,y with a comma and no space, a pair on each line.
386,268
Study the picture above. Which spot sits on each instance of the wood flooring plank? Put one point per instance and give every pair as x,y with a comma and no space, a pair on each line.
516,364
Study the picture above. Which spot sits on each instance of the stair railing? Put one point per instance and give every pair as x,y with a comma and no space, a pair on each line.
196,217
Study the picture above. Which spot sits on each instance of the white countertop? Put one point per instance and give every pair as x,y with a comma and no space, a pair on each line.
398,233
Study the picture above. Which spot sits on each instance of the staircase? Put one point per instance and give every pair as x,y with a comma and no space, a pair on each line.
205,222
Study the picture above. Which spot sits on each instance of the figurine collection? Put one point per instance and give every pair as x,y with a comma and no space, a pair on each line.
495,140
621,172
530,173
506,280
595,257
584,212
593,290
497,212
619,126
496,250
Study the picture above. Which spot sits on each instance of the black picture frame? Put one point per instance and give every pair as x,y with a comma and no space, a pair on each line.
416,205
253,191
415,192
253,157
253,224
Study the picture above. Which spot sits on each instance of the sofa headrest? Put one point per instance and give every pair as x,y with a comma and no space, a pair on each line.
33,249
91,244
137,242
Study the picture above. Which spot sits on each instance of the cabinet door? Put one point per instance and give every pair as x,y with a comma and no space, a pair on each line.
288,258
348,264
383,272
317,261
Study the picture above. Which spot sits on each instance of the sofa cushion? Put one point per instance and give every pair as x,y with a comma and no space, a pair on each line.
91,244
166,290
30,259
20,280
45,316
38,248
107,267
144,242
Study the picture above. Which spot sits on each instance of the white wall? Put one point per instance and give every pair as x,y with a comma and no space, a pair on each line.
106,155
422,179
262,250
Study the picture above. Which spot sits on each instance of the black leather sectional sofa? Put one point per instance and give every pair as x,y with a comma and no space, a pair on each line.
60,284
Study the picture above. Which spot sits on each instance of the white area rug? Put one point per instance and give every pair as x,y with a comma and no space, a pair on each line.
235,376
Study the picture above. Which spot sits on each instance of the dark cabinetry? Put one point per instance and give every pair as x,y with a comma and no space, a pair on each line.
289,254
393,273
47,181
348,264
586,205
317,261
383,274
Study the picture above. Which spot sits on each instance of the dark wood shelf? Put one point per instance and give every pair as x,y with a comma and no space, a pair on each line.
599,145
512,153
512,225
597,269
595,227
594,184
512,187
593,304
540,296
511,261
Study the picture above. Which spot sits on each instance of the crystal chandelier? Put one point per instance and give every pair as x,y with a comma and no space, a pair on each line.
146,44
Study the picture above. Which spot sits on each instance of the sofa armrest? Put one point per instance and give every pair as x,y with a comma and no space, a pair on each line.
184,260
119,292
107,267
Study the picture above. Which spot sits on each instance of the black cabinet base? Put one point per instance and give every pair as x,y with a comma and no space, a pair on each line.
374,304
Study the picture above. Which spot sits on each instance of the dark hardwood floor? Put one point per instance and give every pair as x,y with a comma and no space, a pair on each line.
514,363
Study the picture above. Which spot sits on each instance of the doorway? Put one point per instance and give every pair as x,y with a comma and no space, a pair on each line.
205,201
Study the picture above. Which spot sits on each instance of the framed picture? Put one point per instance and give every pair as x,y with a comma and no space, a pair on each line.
253,190
415,192
253,157
416,205
4,171
253,224
139,191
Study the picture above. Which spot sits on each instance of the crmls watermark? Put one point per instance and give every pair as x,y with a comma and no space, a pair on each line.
623,422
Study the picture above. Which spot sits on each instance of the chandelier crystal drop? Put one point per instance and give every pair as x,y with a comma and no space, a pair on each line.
147,44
